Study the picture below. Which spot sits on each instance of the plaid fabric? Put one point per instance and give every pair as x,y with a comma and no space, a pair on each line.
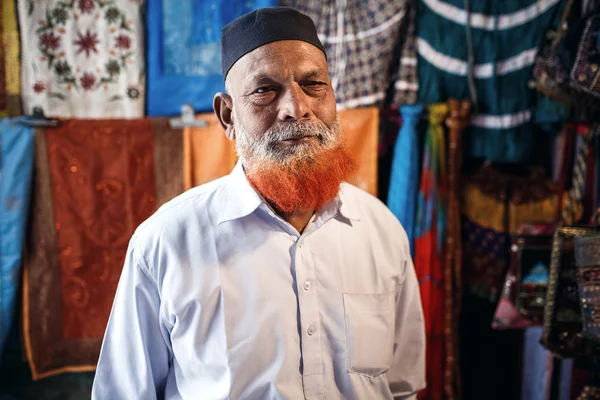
360,38
406,86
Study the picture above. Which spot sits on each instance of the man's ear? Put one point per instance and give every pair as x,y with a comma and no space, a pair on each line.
223,106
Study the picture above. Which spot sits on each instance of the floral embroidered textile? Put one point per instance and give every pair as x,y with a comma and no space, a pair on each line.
83,58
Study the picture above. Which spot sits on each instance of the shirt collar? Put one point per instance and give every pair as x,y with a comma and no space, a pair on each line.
347,204
242,199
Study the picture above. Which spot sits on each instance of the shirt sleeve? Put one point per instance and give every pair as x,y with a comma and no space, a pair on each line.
407,375
134,360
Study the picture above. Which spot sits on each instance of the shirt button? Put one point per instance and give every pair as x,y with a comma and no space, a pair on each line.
306,285
299,244
311,330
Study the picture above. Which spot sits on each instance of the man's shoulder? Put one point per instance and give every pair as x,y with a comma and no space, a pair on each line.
371,209
183,209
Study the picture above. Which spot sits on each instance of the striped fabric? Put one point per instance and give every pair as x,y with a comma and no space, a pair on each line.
505,37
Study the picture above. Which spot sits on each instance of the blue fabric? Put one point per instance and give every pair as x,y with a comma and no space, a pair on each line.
404,176
16,167
184,51
536,374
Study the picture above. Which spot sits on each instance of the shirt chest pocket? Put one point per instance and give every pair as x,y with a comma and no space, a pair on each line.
369,320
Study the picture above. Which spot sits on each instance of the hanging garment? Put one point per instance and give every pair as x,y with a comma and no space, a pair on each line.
404,179
10,68
429,253
504,39
16,166
207,153
360,128
458,119
407,85
95,182
360,38
537,366
184,55
494,206
83,59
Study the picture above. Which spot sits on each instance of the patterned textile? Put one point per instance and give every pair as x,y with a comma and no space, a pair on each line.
184,55
429,255
16,166
494,205
83,58
407,84
360,38
95,182
402,195
207,153
10,99
505,39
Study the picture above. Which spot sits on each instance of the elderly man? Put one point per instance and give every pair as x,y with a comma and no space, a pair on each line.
278,281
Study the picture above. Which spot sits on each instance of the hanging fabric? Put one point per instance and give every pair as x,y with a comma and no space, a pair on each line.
207,153
406,86
457,121
10,68
430,232
184,51
360,129
359,38
83,59
16,166
504,39
95,182
404,178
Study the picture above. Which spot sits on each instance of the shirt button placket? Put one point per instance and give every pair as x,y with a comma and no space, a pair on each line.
309,320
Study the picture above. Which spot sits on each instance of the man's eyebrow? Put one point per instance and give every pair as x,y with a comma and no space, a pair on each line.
315,73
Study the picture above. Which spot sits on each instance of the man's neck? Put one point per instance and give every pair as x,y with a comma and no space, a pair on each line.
298,219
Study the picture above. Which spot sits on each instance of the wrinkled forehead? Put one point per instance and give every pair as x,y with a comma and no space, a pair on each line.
279,61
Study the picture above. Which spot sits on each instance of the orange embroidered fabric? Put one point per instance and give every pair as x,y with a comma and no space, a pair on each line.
95,182
360,127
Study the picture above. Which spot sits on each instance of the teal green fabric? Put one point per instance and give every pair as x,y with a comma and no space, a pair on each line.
506,36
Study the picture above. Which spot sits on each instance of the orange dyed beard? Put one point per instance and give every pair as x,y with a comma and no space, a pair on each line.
304,182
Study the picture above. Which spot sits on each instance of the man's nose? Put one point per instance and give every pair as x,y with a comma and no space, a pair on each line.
294,106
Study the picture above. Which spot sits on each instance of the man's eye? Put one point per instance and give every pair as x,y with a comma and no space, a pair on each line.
263,90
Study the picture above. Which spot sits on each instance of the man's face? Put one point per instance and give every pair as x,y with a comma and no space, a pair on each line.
281,111
283,104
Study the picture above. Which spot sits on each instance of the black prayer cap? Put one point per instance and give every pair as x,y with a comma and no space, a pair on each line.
263,26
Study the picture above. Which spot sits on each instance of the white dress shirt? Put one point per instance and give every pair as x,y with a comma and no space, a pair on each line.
220,298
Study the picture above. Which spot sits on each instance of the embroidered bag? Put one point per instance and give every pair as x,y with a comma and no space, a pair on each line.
587,257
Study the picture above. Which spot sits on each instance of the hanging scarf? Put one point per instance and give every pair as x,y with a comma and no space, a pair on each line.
16,165
83,58
360,129
360,38
402,195
503,38
85,172
208,154
184,54
429,239
10,99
